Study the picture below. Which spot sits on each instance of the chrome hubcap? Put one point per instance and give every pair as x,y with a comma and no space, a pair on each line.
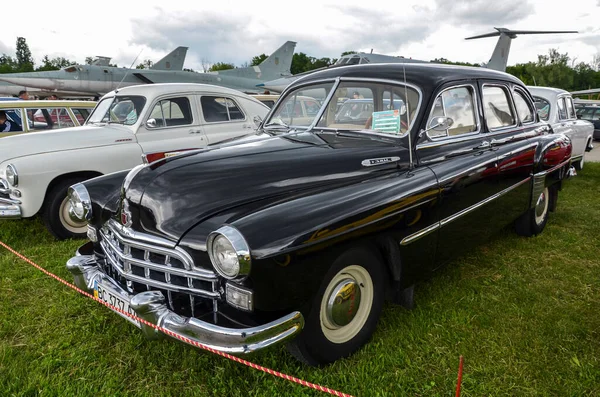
68,221
541,206
343,302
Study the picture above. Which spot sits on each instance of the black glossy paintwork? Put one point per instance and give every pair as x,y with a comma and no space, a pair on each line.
303,198
105,194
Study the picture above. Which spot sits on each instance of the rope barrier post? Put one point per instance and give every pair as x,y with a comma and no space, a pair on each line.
460,371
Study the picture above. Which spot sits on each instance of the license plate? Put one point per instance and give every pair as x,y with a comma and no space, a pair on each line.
112,297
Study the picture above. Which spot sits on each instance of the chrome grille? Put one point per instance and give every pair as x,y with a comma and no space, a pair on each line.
154,263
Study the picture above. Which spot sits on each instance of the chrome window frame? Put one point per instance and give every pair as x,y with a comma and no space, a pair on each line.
558,99
511,104
569,98
236,103
518,90
476,111
163,98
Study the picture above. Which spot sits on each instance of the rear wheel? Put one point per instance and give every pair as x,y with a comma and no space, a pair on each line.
534,220
345,311
56,212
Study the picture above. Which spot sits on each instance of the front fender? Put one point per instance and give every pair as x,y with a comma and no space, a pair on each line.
36,172
105,193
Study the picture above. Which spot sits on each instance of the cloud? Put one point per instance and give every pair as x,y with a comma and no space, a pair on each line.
4,49
483,12
236,38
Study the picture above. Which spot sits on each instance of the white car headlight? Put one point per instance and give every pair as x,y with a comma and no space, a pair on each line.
80,203
229,252
11,175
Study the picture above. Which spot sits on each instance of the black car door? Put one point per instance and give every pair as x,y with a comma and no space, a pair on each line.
465,164
511,124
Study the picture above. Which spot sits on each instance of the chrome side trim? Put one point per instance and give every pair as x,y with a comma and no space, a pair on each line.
421,233
432,228
475,206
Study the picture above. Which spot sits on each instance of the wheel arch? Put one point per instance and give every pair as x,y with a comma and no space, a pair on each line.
59,178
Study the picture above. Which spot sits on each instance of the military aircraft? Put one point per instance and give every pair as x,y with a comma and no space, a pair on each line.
278,85
496,62
500,55
98,80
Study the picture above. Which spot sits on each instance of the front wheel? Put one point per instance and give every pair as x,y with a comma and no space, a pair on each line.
345,311
56,212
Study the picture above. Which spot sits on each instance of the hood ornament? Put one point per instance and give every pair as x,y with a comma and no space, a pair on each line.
125,214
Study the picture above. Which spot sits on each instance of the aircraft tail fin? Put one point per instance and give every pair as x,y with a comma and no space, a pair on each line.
500,55
172,61
277,65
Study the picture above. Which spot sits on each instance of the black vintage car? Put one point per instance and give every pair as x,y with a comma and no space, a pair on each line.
299,232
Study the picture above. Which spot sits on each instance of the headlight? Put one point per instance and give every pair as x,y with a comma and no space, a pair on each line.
11,175
80,202
229,252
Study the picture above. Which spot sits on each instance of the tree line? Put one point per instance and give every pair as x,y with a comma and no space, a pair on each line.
552,70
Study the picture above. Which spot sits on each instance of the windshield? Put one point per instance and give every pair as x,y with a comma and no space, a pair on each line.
120,109
543,107
366,106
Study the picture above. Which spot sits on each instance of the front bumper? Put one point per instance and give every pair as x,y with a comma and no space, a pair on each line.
9,208
151,306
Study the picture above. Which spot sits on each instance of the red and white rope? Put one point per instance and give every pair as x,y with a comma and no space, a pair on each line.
178,336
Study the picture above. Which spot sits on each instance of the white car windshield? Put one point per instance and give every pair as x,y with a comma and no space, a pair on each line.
365,106
120,109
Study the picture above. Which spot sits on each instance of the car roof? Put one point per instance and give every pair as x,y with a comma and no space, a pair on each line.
547,92
19,103
172,88
426,75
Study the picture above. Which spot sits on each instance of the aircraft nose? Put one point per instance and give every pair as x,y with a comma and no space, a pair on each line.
35,82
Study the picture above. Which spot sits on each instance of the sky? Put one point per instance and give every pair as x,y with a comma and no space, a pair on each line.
235,31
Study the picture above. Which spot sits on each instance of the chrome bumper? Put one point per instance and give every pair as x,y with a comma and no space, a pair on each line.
9,209
151,306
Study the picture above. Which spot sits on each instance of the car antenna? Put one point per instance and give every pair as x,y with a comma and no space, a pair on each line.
410,156
127,71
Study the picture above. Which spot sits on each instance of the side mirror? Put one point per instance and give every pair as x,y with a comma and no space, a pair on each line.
441,123
151,123
257,120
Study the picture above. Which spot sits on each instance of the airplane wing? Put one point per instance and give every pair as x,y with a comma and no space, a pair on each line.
592,91
143,78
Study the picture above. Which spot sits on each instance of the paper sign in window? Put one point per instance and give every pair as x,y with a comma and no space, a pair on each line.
387,121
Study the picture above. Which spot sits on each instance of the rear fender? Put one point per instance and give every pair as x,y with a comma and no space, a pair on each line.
551,164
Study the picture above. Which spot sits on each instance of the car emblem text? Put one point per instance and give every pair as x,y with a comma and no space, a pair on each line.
382,160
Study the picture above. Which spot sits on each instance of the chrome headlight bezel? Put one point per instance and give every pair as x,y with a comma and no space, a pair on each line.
80,203
240,248
12,176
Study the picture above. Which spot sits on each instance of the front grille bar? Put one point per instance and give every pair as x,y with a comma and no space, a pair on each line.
121,261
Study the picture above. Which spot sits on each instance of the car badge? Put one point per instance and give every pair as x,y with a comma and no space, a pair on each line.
382,160
125,214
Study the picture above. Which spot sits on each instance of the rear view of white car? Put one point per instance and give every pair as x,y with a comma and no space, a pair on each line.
556,107
37,169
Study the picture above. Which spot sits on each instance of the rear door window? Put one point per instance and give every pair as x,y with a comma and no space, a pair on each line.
496,107
220,109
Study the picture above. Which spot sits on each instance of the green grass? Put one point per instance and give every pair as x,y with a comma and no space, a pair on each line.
524,313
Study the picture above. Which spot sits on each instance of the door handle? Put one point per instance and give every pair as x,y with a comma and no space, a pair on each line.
484,145
195,132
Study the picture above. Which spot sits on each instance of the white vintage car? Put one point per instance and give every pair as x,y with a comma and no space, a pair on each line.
37,169
556,107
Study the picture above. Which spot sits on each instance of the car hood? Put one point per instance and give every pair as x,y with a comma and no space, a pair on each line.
86,136
171,196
